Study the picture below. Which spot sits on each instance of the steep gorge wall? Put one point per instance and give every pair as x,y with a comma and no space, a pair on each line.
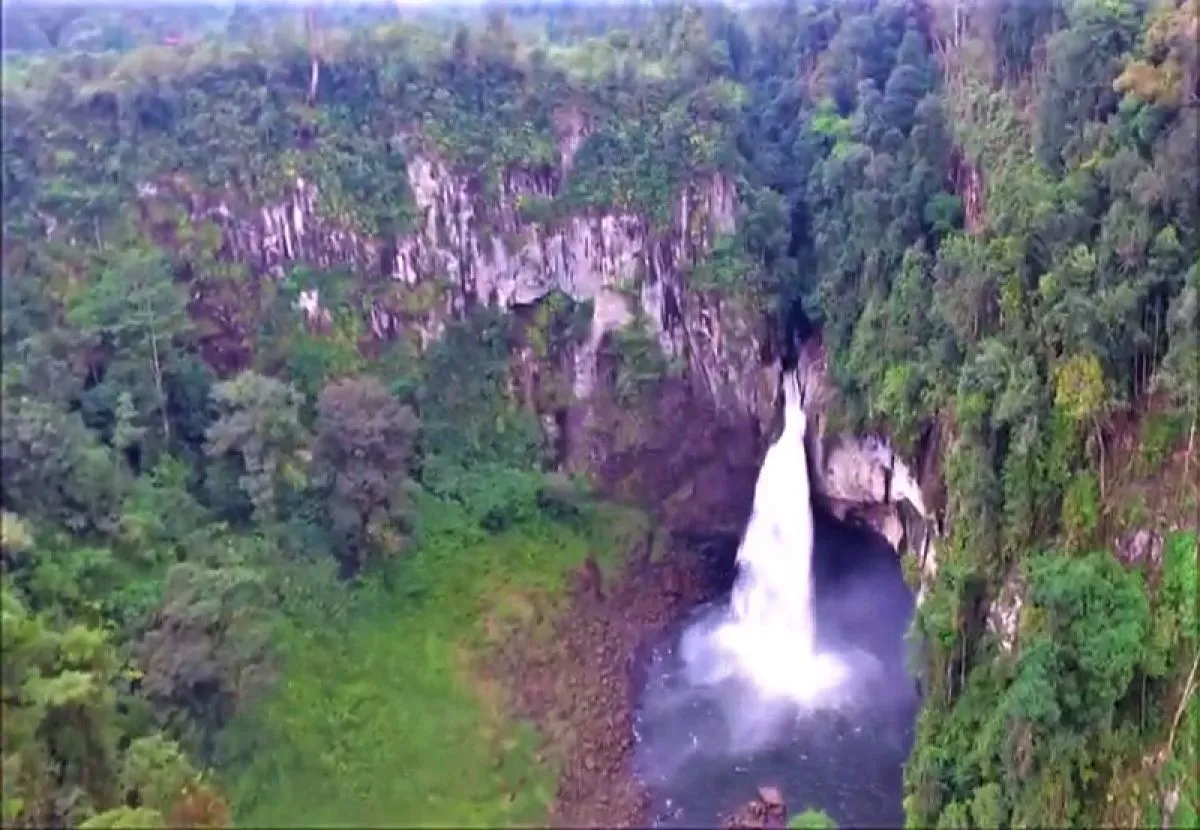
472,248
471,245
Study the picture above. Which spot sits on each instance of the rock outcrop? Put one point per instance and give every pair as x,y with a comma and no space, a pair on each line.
1004,612
862,478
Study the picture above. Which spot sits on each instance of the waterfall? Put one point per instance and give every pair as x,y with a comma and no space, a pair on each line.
754,673
767,638
774,587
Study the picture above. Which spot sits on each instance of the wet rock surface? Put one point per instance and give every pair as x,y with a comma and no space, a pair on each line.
766,811
580,683
692,467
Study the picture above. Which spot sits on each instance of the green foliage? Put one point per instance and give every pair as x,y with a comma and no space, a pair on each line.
811,820
363,439
1079,387
133,311
208,650
637,360
338,737
648,170
63,727
54,467
1028,740
1160,435
157,771
260,422
1081,510
727,268
1070,595
468,414
1175,624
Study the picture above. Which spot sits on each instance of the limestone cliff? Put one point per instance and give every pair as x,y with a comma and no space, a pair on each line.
472,245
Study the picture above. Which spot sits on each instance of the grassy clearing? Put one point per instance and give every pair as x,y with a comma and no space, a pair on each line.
379,718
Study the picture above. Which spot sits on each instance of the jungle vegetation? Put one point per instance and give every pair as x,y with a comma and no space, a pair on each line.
224,528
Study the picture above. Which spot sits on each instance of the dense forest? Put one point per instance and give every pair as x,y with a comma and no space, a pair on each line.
229,524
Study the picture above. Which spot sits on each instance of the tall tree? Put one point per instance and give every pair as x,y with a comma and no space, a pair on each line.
1180,373
260,423
59,741
134,312
52,466
364,436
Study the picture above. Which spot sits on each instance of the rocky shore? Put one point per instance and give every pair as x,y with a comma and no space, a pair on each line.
765,812
580,687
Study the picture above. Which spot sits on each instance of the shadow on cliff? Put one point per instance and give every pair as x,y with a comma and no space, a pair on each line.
689,465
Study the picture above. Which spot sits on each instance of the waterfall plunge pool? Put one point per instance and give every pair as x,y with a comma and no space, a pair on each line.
703,749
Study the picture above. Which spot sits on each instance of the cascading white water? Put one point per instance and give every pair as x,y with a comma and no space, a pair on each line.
774,589
768,636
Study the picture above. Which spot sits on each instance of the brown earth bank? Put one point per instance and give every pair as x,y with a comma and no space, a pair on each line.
579,678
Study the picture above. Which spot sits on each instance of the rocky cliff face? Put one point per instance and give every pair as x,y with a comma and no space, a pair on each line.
470,248
862,478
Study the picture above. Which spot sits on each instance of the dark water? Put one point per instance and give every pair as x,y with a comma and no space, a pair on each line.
703,752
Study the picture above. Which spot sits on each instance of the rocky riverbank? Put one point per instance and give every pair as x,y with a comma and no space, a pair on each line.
578,681
765,812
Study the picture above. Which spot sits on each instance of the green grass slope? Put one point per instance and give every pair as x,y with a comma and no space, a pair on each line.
380,717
